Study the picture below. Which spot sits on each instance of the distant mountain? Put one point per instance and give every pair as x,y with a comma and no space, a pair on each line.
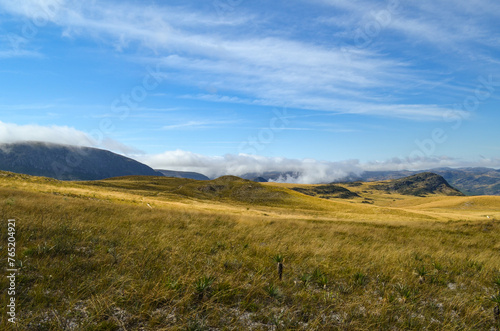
419,185
68,162
470,181
374,176
473,181
183,174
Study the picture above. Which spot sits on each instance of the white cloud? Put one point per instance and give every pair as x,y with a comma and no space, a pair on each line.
446,24
11,133
310,171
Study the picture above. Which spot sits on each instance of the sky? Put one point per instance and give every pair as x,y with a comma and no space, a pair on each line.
321,87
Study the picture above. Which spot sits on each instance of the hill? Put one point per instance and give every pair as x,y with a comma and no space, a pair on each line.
420,185
68,162
228,189
327,191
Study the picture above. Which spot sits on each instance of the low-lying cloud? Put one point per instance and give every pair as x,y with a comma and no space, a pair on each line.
12,133
309,170
306,171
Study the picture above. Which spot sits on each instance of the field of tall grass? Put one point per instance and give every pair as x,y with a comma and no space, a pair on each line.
96,256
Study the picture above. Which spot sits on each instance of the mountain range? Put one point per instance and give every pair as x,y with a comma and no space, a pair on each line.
470,181
84,163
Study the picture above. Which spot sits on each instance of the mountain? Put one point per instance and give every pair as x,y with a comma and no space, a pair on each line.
183,174
473,181
68,162
419,185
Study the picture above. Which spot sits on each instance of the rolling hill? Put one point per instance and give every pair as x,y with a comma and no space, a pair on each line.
163,253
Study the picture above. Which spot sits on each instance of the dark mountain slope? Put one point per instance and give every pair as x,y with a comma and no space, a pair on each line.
68,162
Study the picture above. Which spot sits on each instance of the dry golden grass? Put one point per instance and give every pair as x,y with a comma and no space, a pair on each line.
97,257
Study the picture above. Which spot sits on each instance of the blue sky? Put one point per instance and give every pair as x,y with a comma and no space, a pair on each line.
229,86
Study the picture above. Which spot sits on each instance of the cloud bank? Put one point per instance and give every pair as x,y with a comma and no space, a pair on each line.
310,171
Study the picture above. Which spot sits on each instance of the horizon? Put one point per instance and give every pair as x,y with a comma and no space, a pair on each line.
321,86
304,175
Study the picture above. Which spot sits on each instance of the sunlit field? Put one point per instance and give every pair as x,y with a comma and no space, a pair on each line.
155,253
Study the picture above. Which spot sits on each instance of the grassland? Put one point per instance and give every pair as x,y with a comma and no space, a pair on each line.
156,253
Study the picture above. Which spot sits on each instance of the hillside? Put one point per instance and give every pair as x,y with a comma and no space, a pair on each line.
226,188
158,253
68,162
327,191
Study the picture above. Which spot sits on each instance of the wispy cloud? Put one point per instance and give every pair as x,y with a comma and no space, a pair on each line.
441,24
269,70
21,107
14,53
197,125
